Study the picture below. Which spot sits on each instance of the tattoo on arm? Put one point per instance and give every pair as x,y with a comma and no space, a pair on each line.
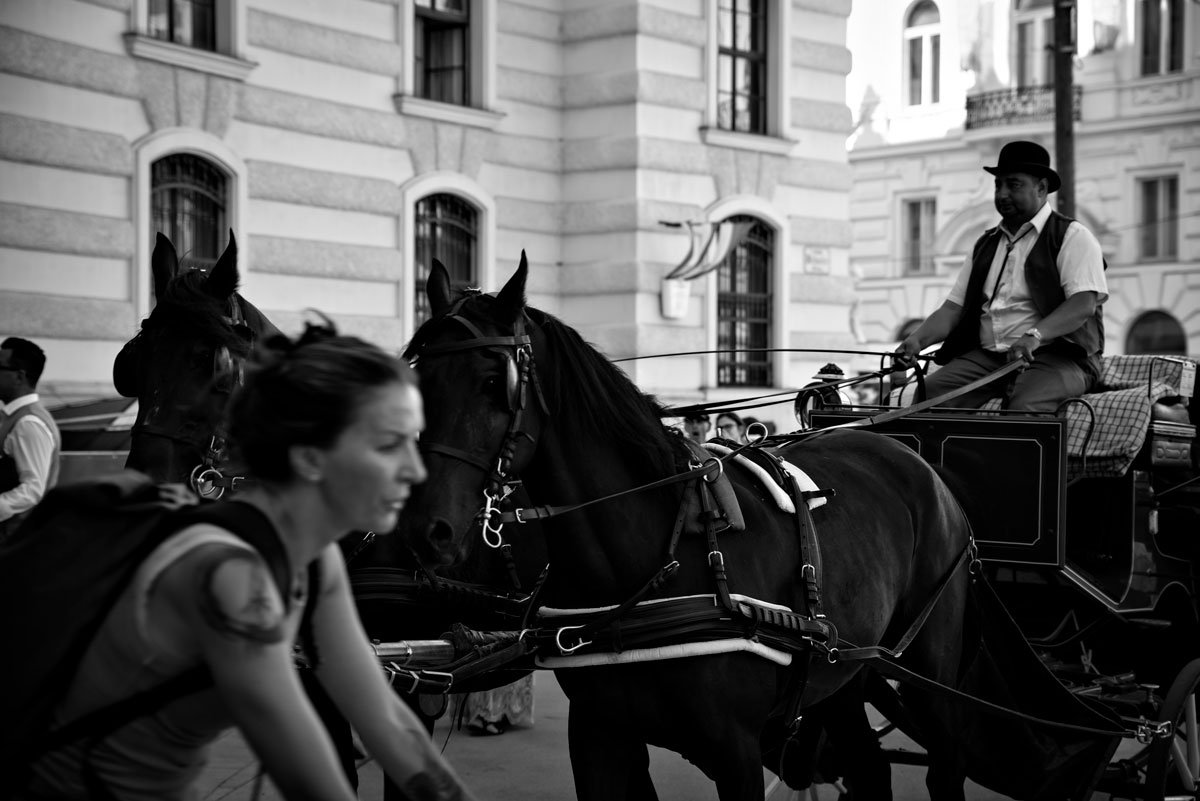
238,599
433,785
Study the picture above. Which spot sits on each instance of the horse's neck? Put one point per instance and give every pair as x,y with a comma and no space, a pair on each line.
607,545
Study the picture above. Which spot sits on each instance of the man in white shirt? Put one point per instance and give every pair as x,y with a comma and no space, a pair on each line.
29,438
1033,290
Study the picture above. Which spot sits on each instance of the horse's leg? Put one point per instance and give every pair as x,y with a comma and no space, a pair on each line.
855,745
936,654
737,766
608,763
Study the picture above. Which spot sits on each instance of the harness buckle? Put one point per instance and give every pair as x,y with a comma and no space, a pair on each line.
808,571
719,563
565,650
720,469
1148,731
517,515
205,482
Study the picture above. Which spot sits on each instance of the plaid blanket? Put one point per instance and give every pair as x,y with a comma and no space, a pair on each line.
1129,386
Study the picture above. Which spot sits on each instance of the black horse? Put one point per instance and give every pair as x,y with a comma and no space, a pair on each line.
184,363
508,384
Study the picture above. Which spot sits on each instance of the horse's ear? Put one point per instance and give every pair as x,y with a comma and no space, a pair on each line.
164,265
223,277
511,299
437,288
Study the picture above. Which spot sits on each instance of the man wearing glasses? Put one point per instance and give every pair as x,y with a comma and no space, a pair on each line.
29,438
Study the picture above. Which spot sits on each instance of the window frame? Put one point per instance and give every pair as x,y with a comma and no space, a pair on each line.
150,149
929,36
926,258
228,60
428,20
1163,229
767,361
420,272
776,138
1171,44
731,57
219,199
436,183
480,110
1030,70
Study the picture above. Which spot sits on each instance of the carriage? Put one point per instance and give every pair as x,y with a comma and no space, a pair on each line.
1086,532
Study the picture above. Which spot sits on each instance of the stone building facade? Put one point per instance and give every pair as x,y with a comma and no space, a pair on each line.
345,142
946,84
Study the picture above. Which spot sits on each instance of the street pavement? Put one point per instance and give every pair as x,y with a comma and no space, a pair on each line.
531,764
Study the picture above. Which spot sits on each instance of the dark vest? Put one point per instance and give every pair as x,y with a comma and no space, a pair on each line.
1084,345
8,466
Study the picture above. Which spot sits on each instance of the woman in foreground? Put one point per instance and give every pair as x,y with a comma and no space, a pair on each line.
327,429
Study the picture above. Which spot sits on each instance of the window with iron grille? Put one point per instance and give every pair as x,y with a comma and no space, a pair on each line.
1161,34
1156,332
923,54
1159,217
742,66
188,199
442,45
192,23
744,325
446,230
917,235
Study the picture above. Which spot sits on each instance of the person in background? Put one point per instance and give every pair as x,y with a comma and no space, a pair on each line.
1033,289
730,426
327,429
29,438
696,427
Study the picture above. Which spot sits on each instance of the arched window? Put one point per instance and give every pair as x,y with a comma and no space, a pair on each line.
744,292
446,230
1156,332
188,200
923,54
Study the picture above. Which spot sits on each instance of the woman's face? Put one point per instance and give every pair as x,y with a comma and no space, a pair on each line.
372,465
727,428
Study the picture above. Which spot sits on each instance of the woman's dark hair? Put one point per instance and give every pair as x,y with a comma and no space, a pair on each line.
732,416
305,392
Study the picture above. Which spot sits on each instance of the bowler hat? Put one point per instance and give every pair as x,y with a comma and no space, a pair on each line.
830,372
1027,157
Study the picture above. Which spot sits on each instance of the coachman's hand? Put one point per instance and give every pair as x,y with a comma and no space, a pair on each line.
1023,349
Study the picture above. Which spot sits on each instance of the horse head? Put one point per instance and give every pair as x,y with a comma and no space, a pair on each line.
184,363
484,411
511,393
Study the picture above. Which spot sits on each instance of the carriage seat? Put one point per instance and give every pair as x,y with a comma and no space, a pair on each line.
1137,405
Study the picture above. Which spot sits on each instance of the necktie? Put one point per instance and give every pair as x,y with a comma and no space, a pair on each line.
1008,249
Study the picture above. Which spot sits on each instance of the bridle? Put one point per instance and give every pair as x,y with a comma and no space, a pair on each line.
206,478
520,374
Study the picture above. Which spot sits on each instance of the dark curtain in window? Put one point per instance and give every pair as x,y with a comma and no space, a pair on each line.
188,198
447,228
442,43
744,290
1156,332
187,22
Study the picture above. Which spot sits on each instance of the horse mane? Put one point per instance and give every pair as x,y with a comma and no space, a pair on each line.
586,393
186,307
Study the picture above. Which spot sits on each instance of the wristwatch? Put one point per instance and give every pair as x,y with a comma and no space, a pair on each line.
1036,334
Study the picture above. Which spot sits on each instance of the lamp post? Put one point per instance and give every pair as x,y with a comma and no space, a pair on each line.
1064,102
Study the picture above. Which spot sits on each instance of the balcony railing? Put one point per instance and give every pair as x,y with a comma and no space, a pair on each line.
1013,106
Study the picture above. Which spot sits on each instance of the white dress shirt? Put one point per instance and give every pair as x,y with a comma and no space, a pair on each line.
1008,310
31,445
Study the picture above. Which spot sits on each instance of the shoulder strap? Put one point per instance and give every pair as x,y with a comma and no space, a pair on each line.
251,525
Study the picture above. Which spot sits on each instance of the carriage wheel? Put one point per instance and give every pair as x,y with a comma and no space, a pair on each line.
1174,764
